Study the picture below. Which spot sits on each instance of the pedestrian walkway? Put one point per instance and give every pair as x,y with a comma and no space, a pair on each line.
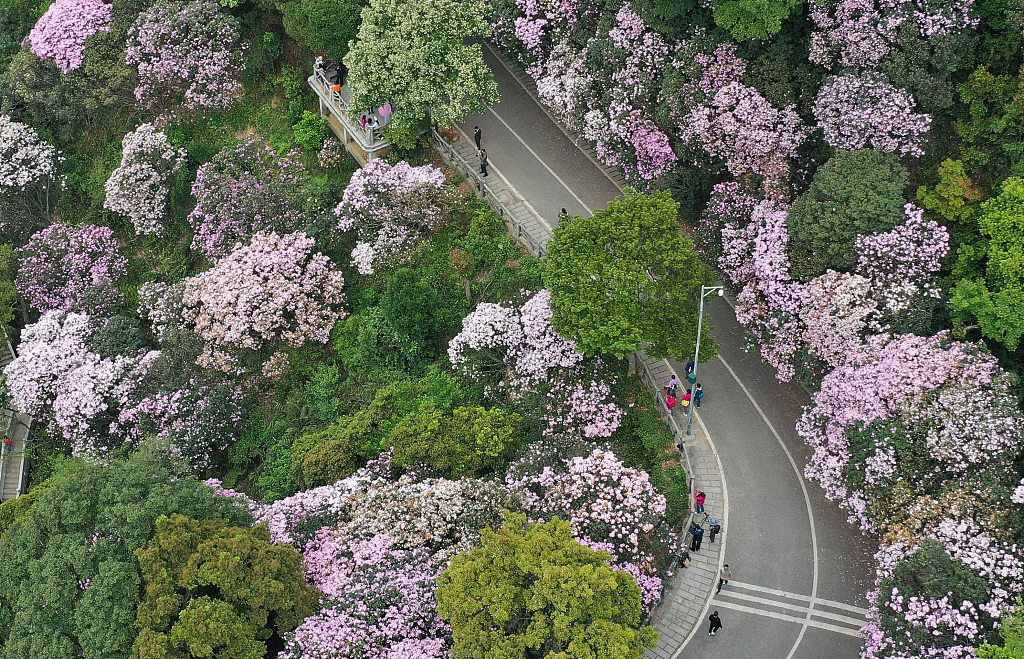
16,427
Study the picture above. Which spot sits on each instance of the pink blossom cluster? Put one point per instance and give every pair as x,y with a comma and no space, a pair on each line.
69,268
911,251
25,159
755,257
199,419
187,48
740,126
57,377
526,353
837,312
859,111
609,505
61,32
162,305
391,208
877,384
140,187
275,289
245,190
378,603
588,408
858,34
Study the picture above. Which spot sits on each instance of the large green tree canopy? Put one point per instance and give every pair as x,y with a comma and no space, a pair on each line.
626,279
69,578
532,591
216,590
855,192
752,19
413,54
997,299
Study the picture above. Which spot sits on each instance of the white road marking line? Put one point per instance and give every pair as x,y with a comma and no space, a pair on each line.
782,616
725,522
541,161
807,501
835,617
552,118
782,593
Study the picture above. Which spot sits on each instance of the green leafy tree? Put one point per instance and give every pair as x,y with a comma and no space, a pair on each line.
996,300
311,131
216,590
953,198
855,192
70,581
752,19
626,279
416,56
1011,629
532,591
325,26
8,295
468,441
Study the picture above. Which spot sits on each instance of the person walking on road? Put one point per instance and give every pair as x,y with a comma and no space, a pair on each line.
724,577
700,498
483,161
477,135
673,385
716,624
690,365
698,393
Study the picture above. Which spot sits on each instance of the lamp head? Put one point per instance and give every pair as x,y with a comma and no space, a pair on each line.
721,292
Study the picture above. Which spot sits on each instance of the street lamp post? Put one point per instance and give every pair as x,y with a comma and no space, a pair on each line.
692,377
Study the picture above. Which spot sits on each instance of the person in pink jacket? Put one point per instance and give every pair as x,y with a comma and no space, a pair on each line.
700,498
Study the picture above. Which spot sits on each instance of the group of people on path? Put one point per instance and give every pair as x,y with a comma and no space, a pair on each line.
697,536
482,152
694,396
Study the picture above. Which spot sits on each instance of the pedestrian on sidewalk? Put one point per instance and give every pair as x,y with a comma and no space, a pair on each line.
670,401
563,215
477,134
700,498
716,623
690,365
483,161
8,444
687,399
698,394
698,536
724,577
673,385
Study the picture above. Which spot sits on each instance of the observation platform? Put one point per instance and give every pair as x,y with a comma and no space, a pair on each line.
365,145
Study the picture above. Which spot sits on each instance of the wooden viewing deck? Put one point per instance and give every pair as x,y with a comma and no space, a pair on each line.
16,426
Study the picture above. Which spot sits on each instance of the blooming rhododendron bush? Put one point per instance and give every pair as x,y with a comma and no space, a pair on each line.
245,190
61,32
187,48
274,291
67,268
139,187
391,208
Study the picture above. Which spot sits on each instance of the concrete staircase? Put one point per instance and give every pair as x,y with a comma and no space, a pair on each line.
17,427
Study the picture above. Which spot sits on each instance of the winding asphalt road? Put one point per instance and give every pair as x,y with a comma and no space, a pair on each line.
799,570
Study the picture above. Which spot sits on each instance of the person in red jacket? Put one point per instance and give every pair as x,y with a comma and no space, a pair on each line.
700,498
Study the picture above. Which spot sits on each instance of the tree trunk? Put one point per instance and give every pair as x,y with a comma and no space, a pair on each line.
632,365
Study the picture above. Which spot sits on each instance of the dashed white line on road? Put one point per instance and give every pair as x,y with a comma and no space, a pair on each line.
807,503
804,622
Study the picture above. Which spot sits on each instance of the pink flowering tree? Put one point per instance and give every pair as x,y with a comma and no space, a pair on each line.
609,506
25,159
57,378
391,208
244,190
69,268
888,416
60,34
730,205
858,111
139,189
275,290
858,34
740,126
198,420
189,50
838,311
519,351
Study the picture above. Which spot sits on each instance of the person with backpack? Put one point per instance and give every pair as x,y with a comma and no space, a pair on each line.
698,536
698,394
